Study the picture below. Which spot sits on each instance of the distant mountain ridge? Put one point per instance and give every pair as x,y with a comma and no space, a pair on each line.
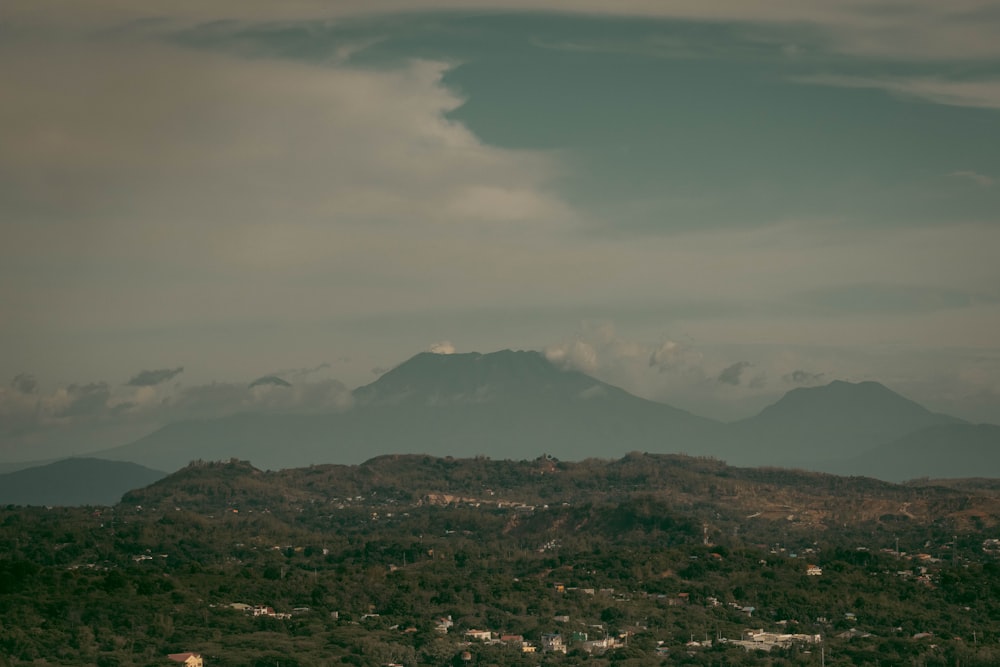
75,481
509,404
810,426
518,405
938,451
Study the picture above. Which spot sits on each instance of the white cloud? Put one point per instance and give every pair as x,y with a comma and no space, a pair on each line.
163,141
574,355
644,368
281,183
442,347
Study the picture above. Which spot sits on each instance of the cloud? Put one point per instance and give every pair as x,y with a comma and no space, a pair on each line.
442,347
802,377
598,350
24,412
733,373
917,29
46,419
576,355
670,354
151,378
344,187
327,145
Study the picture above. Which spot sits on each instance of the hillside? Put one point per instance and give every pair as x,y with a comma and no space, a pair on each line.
78,481
429,561
703,490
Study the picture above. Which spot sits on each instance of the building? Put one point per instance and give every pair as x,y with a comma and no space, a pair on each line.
553,642
187,659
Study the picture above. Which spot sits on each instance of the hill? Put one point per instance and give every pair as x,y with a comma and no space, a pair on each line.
77,481
698,490
410,559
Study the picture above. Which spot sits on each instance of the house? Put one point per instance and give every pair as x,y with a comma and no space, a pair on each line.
187,659
479,635
814,570
599,645
553,642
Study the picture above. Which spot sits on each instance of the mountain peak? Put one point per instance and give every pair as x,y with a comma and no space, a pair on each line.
841,394
472,377
836,420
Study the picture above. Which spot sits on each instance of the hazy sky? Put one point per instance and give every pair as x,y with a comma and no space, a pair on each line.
707,203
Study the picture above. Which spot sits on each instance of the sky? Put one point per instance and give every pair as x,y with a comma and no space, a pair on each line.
707,204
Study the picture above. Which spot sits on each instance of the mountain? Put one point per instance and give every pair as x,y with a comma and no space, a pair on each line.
517,405
507,404
77,481
939,451
429,379
817,426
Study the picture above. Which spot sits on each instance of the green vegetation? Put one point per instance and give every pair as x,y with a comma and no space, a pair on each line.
360,564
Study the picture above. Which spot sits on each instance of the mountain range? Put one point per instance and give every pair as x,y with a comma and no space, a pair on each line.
75,481
517,405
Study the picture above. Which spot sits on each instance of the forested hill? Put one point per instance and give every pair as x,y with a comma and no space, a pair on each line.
700,488
424,562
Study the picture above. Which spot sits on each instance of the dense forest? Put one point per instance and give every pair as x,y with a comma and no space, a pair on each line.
417,560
